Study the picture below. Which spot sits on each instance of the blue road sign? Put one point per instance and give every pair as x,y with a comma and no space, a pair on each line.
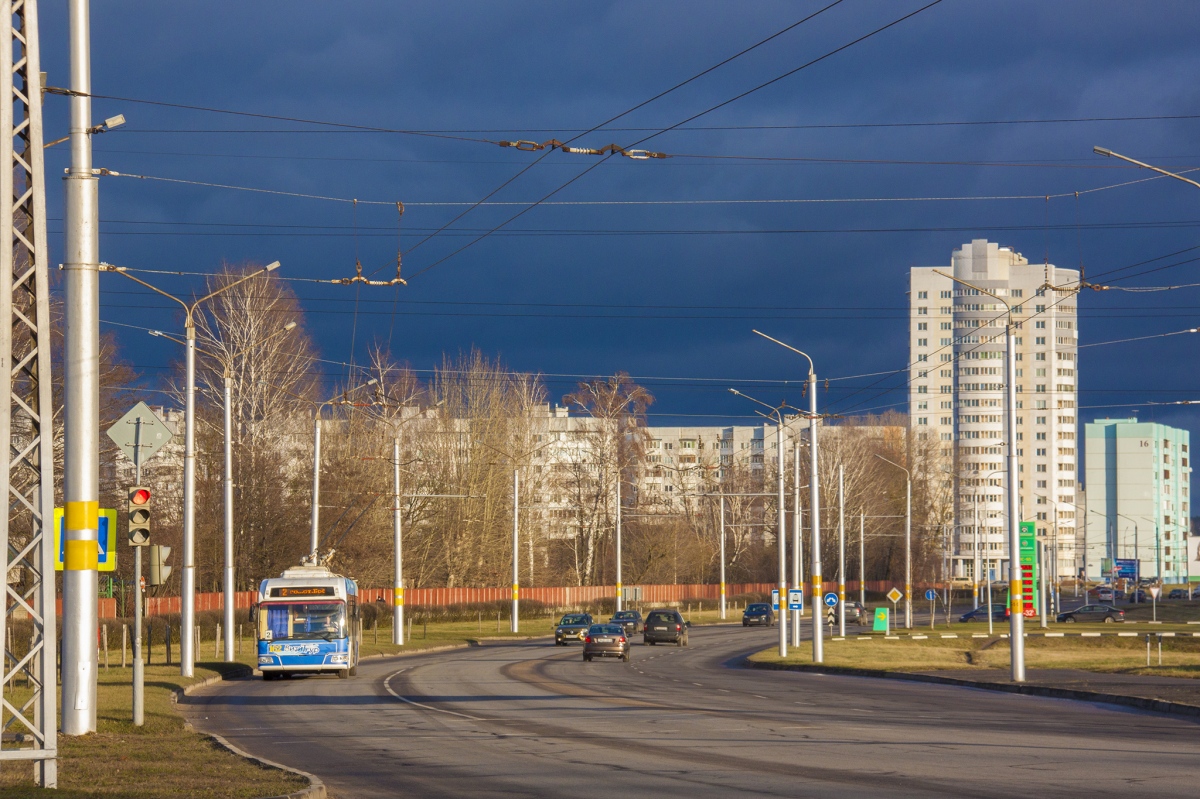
930,594
830,599
775,600
795,599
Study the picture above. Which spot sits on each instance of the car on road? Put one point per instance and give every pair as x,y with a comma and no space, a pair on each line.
665,627
572,627
999,613
1092,613
758,613
1139,596
631,620
1105,594
1178,593
1196,593
606,641
857,613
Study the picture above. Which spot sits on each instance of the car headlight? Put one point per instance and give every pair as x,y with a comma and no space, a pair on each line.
265,659
559,631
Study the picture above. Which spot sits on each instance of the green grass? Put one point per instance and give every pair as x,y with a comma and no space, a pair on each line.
1181,656
160,759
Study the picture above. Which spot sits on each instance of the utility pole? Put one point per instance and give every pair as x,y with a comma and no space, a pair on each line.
516,580
842,551
81,403
397,561
722,511
27,472
620,605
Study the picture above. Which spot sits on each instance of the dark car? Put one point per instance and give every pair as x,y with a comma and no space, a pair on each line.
572,627
665,627
606,641
1178,593
759,613
1101,613
857,613
631,620
999,613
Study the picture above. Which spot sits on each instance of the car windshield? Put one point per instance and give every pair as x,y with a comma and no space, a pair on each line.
605,629
278,621
661,618
576,619
756,609
625,614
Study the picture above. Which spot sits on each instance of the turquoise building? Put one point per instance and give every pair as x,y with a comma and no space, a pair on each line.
1138,484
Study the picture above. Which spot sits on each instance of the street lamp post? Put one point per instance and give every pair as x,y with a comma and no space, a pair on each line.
314,527
230,594
842,551
782,537
814,501
1017,614
187,622
722,511
907,541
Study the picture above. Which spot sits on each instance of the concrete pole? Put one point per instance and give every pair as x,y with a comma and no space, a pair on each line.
187,603
814,511
1016,618
722,511
620,605
975,571
841,551
797,538
397,551
516,580
862,558
230,596
1041,557
783,595
907,550
313,532
139,668
81,405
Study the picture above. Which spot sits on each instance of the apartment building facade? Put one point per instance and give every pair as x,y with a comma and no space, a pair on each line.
956,393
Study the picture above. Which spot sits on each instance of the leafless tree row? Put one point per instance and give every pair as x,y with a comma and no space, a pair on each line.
463,433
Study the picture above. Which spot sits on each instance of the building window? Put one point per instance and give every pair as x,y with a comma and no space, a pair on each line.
922,325
1039,341
922,311
922,342
922,295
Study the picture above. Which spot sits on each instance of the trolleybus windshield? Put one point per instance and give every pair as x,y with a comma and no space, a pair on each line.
278,621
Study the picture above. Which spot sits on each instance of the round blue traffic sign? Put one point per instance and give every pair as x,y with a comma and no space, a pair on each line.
930,594
830,599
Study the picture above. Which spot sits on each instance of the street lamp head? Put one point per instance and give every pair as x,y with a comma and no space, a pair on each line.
155,332
271,267
289,326
1102,151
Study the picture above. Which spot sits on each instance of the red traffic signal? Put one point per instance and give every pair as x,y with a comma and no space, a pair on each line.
139,496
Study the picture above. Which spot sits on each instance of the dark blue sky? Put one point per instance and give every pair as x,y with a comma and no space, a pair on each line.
656,290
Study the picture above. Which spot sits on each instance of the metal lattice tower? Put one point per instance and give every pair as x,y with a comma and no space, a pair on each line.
28,714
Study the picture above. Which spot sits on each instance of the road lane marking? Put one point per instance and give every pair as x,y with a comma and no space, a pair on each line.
387,683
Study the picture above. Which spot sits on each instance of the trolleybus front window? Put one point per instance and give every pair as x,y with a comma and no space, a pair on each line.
302,620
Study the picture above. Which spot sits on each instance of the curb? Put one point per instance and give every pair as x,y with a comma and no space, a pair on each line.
315,789
1139,702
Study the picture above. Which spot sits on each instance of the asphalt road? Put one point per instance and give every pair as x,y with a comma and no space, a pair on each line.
534,720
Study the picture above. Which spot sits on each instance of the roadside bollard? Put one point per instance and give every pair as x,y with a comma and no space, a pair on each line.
1160,649
1147,649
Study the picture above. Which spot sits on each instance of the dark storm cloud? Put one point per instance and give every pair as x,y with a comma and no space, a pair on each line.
545,65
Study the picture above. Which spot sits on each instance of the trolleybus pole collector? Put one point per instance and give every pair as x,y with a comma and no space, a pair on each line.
307,621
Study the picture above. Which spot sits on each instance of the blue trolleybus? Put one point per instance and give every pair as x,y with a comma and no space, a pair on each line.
308,622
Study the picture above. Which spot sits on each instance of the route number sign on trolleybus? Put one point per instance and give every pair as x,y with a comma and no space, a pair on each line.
308,622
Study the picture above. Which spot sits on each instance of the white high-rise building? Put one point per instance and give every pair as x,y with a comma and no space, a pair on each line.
956,395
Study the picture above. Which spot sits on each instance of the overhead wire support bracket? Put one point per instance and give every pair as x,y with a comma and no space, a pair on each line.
608,149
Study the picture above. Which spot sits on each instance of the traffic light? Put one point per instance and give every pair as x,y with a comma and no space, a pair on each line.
138,515
159,570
